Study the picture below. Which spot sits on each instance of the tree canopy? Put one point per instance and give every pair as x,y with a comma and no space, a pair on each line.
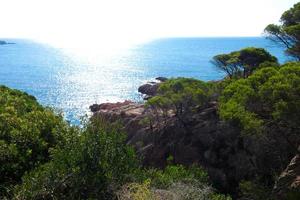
180,95
266,101
244,62
287,33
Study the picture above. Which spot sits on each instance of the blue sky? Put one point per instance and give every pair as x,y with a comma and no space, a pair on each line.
124,21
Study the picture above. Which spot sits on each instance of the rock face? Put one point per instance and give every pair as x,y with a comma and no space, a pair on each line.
203,139
289,180
150,89
123,110
130,113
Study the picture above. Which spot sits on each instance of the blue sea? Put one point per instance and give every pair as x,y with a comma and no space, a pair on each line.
71,82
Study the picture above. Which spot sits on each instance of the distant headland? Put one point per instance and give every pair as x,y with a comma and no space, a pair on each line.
2,42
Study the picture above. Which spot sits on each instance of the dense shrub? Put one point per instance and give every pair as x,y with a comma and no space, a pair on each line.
136,191
267,100
92,164
27,132
57,161
266,106
175,173
173,182
95,163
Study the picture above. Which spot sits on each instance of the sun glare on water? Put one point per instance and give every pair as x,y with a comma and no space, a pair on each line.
95,70
94,49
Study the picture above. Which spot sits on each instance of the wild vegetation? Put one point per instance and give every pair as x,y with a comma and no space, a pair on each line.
43,157
266,107
266,101
92,164
27,132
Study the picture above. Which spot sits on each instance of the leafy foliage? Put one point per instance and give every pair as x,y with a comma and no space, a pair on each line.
174,173
97,164
63,162
92,164
242,63
57,161
269,99
27,132
288,32
136,191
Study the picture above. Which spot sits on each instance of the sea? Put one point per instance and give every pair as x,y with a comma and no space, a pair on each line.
71,79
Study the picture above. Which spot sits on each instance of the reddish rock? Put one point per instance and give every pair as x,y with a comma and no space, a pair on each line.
204,139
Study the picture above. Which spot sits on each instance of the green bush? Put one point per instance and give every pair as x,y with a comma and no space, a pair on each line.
172,182
266,106
92,164
172,174
27,132
267,100
136,191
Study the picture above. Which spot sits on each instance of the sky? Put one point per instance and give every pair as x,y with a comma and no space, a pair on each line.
73,22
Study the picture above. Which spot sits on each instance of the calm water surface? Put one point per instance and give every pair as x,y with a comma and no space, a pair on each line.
71,80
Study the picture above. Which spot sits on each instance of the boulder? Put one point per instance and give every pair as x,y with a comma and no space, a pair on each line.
149,89
95,107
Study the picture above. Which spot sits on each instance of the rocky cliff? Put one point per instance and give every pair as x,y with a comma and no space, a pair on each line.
204,140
